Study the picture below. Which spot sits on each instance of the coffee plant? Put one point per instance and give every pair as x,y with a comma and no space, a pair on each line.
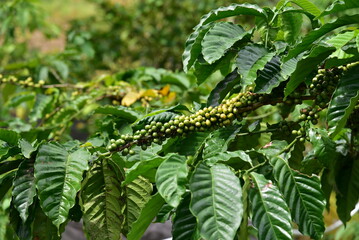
262,155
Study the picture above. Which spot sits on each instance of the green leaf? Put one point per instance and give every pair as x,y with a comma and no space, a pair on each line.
26,148
148,213
343,100
306,65
292,26
192,145
9,165
216,201
219,39
308,6
41,103
158,116
101,202
227,156
24,188
339,6
347,184
219,140
314,35
138,193
9,136
184,223
252,58
171,178
222,88
193,46
143,166
119,111
270,77
232,10
43,228
58,176
20,98
270,212
304,197
6,181
203,70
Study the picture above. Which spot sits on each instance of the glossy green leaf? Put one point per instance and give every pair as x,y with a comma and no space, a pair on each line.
270,212
6,181
26,148
216,201
232,10
101,202
222,88
184,223
119,111
148,213
308,6
314,35
24,188
304,197
193,46
171,179
221,37
9,136
58,176
143,166
347,186
138,193
42,101
270,77
306,65
252,58
343,100
7,166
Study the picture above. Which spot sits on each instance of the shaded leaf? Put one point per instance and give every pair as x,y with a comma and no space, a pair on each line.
222,88
148,213
184,223
343,101
24,188
347,184
41,103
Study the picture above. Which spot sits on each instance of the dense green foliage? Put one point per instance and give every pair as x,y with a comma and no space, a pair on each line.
256,153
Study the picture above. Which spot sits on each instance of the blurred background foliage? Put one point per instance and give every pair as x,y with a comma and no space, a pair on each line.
131,48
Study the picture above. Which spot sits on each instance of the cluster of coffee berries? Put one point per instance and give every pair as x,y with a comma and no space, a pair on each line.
310,114
324,84
301,134
209,118
28,82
